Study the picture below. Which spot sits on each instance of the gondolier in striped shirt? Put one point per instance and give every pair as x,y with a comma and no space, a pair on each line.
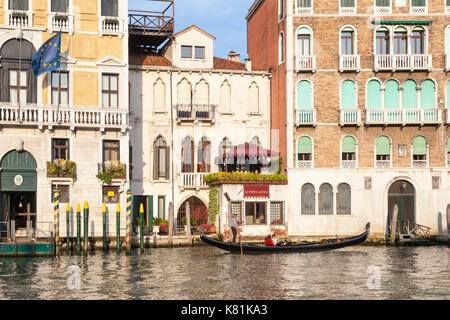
234,226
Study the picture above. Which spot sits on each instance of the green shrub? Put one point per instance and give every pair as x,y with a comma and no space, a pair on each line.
240,176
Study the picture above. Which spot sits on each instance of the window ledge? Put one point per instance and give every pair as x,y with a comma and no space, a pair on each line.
161,181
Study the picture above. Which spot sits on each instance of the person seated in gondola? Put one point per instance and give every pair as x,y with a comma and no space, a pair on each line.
271,240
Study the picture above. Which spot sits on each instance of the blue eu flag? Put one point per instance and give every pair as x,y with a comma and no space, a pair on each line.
48,56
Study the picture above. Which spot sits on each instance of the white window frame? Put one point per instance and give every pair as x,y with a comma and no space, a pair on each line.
427,153
53,27
312,152
348,10
418,12
379,11
281,48
281,10
304,11
375,151
447,8
28,12
356,151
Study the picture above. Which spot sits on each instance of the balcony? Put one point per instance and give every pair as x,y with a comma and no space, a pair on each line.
193,180
18,18
348,117
305,64
408,62
304,10
418,11
347,10
403,116
383,164
60,21
111,170
112,26
382,10
348,164
71,117
192,112
349,63
304,164
305,117
420,164
447,115
150,22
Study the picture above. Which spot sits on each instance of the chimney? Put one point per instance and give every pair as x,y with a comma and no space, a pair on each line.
248,64
233,56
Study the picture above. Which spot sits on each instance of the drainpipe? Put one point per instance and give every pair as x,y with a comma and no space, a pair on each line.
289,84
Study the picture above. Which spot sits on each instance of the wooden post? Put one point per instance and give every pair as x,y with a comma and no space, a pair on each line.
118,227
128,236
141,227
188,223
68,228
78,228
448,221
171,224
394,223
104,225
86,226
56,219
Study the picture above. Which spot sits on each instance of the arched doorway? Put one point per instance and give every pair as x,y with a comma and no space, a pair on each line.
18,187
402,194
199,213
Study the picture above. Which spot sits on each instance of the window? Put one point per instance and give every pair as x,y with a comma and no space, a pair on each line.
308,199
382,41
110,90
276,213
348,95
110,8
304,3
110,150
419,148
60,88
187,155
383,148
304,149
202,92
391,95
427,94
186,51
280,9
400,41
281,50
409,94
225,97
418,6
347,3
18,5
303,42
373,94
448,96
162,207
225,163
448,151
159,96
160,159
60,149
347,41
348,149
60,5
326,199
184,91
204,156
236,208
418,41
111,194
253,93
304,95
199,52
344,199
383,3
18,86
255,212
64,194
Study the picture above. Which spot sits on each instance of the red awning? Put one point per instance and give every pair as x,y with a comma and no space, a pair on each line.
249,150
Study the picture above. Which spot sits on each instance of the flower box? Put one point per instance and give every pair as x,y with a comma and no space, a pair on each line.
61,168
111,170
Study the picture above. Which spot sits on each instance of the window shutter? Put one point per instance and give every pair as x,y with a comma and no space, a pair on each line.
308,199
419,146
167,163
110,8
383,3
347,3
427,93
304,145
304,3
348,95
326,199
374,94
391,95
343,199
349,145
304,95
383,146
418,3
448,144
155,162
448,94
409,94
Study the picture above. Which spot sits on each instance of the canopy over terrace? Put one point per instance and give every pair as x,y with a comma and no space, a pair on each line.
246,157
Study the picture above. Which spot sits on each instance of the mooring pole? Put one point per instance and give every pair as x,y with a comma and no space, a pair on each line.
104,225
141,226
128,236
78,228
68,227
118,227
448,222
394,224
170,224
56,221
188,223
86,226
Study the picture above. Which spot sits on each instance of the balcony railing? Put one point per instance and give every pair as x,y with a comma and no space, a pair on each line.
419,10
447,62
383,163
33,115
149,21
17,18
305,117
193,180
419,163
114,169
304,10
60,21
348,164
447,115
304,164
305,63
403,62
403,116
349,62
347,10
382,10
110,26
349,117
191,112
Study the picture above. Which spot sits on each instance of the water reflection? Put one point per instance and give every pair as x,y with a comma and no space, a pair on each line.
208,273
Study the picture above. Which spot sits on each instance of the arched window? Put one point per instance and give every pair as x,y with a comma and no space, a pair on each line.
204,156
383,148
409,94
159,96
304,95
447,37
418,41
225,97
304,39
348,95
349,149
419,149
448,94
348,41
202,93
427,94
391,95
374,94
400,40
253,93
160,159
382,40
281,47
304,149
187,155
308,200
184,91
344,199
326,199
224,160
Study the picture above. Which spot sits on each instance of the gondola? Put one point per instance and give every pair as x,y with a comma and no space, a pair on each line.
326,244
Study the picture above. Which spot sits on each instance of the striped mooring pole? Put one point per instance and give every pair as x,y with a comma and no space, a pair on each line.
104,225
68,227
141,226
78,228
86,225
118,227
128,236
56,219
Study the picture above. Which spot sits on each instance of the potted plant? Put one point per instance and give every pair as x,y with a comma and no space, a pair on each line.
112,170
156,224
61,168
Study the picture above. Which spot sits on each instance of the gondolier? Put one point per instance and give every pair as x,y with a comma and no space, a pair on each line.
234,226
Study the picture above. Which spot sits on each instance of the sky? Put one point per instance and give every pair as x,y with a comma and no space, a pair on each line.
224,19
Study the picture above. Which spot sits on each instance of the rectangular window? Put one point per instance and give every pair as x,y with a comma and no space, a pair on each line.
199,52
110,90
383,3
381,157
111,151
110,8
64,194
18,86
304,3
276,213
236,208
60,6
161,207
186,51
255,213
303,156
60,149
419,3
18,5
348,156
347,3
347,43
60,88
160,162
111,194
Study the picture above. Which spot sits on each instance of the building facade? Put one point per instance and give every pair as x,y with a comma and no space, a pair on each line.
63,128
366,112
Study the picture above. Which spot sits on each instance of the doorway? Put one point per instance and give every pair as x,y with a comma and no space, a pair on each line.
402,194
198,213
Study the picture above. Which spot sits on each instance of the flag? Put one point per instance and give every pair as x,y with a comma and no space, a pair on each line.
48,56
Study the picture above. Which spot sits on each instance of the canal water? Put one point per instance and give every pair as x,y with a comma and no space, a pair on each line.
202,272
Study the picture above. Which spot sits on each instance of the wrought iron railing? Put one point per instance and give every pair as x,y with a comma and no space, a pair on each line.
191,112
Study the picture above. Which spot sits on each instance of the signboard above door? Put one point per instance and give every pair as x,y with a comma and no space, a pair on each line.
256,191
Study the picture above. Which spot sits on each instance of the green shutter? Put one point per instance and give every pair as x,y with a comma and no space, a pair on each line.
383,3
427,94
349,145
304,95
348,95
391,95
448,144
419,146
383,146
418,3
150,212
304,3
409,94
448,94
447,36
347,3
304,145
374,94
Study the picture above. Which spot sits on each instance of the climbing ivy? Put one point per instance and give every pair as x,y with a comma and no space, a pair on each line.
213,208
